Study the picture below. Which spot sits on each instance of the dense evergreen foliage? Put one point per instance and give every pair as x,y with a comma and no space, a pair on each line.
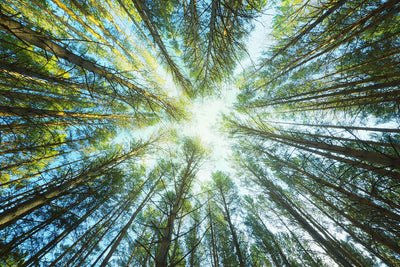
315,133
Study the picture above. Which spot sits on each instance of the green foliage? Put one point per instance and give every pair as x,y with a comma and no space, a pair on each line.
315,134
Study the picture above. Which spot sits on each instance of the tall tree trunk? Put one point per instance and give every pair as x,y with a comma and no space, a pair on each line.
37,39
345,92
238,251
306,30
141,8
351,196
20,164
61,236
161,258
20,210
379,170
280,199
213,244
368,156
112,213
375,235
16,241
44,171
7,111
79,258
162,255
274,241
338,39
48,145
350,232
124,230
294,236
343,127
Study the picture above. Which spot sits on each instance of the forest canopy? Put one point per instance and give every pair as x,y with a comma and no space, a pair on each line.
314,173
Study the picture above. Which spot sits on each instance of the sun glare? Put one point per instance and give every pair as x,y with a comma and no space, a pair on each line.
204,124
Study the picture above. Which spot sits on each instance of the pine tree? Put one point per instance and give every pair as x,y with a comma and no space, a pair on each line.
314,130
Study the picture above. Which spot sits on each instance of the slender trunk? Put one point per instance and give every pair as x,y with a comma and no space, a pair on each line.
375,235
141,8
192,255
278,196
50,245
162,255
210,41
20,164
161,258
145,54
379,170
360,105
389,67
24,97
45,80
14,213
343,127
91,243
213,244
294,236
65,26
346,85
106,217
359,142
31,74
124,230
331,239
80,21
232,230
6,111
132,255
274,241
37,39
95,263
273,257
306,30
15,242
175,245
345,92
33,148
148,252
96,22
361,100
47,125
368,156
133,20
50,169
352,234
135,249
332,43
351,196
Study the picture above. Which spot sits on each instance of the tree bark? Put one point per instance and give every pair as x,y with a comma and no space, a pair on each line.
37,39
280,199
14,213
128,224
213,244
232,230
144,14
368,156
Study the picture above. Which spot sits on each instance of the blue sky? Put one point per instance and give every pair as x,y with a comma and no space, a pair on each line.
206,112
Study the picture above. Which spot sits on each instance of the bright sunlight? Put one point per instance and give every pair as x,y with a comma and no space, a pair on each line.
206,115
